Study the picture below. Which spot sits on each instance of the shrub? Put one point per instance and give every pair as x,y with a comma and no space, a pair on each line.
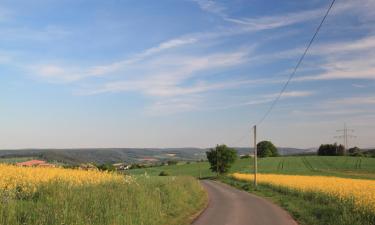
172,162
163,173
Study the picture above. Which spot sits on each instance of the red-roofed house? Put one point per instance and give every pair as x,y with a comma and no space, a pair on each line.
34,162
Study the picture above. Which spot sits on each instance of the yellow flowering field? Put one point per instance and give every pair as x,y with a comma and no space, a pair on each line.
360,190
27,179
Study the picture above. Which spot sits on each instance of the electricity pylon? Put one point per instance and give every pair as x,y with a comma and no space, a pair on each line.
346,134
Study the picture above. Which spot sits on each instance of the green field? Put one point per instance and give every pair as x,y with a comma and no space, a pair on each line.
341,166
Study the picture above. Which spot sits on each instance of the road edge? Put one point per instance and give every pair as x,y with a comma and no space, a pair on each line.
195,216
264,198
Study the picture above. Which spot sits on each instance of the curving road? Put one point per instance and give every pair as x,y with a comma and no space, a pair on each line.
229,206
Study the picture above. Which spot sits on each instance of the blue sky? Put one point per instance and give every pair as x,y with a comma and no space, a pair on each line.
176,73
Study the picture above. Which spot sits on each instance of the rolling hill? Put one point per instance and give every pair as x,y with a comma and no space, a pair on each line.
128,155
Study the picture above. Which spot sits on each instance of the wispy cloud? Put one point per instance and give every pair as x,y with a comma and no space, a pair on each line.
210,6
290,94
359,85
47,33
330,112
169,44
266,98
166,76
174,105
266,22
194,102
277,21
344,60
244,25
364,100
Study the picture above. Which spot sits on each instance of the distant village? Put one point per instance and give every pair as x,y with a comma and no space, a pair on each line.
122,166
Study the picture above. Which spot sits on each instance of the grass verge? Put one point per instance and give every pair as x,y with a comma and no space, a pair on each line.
308,208
146,200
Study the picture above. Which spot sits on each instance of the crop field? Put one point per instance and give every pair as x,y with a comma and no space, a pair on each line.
64,196
361,192
351,167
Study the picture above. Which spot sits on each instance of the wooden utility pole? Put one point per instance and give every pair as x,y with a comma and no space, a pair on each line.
255,156
217,162
200,172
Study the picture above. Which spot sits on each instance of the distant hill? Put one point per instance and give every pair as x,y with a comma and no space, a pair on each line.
128,155
107,155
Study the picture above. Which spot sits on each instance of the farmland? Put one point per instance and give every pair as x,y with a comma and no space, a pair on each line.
316,190
352,167
307,186
65,196
360,191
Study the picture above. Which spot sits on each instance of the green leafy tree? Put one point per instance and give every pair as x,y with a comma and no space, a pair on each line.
221,158
266,149
354,150
172,162
106,167
331,150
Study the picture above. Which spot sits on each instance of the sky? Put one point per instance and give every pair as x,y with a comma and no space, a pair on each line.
184,73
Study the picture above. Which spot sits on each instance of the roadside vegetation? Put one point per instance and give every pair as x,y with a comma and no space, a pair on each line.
316,190
316,207
37,196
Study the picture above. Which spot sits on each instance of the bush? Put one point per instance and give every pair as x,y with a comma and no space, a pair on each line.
163,173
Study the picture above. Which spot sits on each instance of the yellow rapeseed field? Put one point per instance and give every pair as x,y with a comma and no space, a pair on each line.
27,179
359,190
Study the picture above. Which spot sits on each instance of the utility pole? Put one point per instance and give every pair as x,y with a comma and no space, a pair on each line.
345,135
200,172
255,157
217,162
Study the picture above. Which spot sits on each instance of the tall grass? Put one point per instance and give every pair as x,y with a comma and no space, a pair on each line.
145,200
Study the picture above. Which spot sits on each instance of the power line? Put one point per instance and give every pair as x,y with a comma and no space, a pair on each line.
297,65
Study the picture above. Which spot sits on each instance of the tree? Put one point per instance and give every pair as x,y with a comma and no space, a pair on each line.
354,150
331,150
106,167
266,149
221,158
171,162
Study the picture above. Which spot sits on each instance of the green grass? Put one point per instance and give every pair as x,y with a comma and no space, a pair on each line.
340,166
148,201
309,208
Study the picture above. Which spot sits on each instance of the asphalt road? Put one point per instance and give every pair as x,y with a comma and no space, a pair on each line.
229,206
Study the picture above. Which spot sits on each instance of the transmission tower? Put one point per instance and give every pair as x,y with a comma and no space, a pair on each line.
346,135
